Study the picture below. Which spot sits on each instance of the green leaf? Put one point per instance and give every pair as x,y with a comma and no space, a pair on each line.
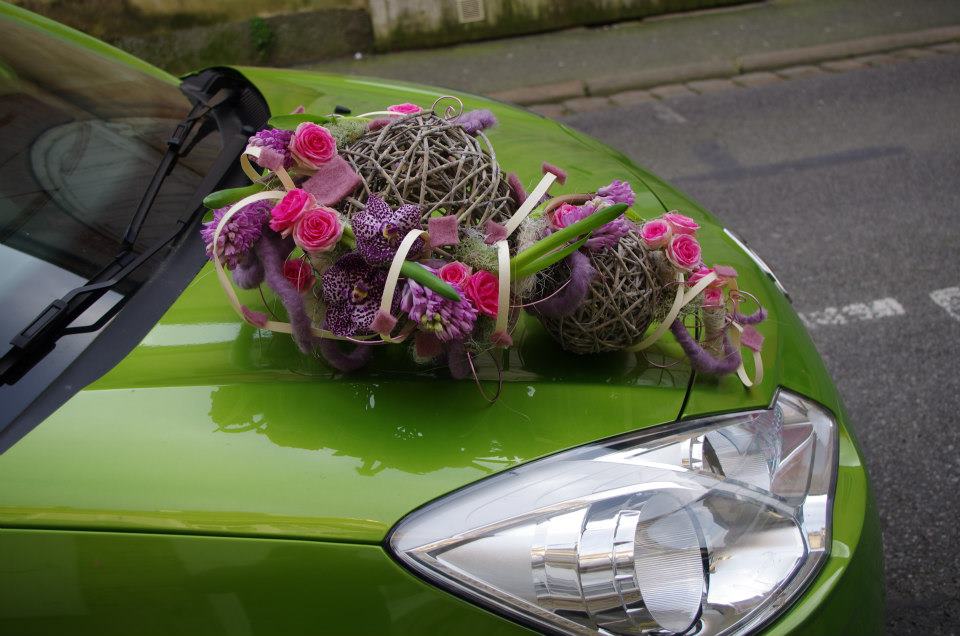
546,261
290,122
419,273
569,233
223,198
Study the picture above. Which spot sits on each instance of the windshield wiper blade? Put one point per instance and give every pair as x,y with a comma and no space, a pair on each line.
40,335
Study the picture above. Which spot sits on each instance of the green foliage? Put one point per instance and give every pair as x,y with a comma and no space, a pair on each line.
262,37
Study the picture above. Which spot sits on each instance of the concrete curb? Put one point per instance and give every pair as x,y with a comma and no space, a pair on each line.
714,69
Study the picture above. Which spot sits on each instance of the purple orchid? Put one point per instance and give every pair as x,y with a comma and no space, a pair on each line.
238,235
380,229
352,290
447,319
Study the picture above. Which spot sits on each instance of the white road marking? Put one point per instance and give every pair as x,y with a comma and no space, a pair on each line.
855,312
949,300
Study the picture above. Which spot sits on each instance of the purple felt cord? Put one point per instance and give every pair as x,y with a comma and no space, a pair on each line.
272,251
458,360
753,319
342,360
572,294
700,359
249,271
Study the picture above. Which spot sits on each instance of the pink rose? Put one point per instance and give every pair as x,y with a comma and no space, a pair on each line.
455,273
681,224
405,108
299,273
289,209
482,289
312,145
656,233
683,251
713,297
566,215
318,230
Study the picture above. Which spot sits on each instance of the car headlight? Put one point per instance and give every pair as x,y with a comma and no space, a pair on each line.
709,527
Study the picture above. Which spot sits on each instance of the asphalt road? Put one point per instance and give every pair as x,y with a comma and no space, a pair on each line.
849,186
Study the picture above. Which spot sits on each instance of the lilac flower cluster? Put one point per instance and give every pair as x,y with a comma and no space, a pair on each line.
239,234
277,140
448,319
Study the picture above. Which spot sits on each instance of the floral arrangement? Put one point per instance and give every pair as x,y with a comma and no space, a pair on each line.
359,262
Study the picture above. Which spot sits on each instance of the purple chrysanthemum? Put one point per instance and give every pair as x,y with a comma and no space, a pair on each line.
619,191
447,319
352,290
239,234
275,139
379,229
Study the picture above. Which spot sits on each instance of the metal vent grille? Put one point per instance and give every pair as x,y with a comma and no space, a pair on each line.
470,11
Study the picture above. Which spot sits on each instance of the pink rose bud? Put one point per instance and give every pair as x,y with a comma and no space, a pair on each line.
289,209
683,251
405,108
455,273
318,230
656,233
681,224
482,288
299,273
312,145
566,215
713,297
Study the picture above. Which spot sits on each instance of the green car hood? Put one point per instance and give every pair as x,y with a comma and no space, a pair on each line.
210,426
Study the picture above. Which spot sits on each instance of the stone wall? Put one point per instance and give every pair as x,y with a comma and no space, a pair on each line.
401,24
182,35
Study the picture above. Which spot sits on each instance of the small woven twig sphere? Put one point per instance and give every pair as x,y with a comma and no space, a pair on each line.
430,161
621,303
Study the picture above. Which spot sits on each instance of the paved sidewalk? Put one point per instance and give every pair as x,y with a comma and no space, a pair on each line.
586,62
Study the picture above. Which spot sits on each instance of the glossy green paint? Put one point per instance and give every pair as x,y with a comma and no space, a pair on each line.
210,427
98,584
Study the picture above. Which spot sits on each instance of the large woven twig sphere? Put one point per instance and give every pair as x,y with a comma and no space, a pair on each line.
620,305
433,162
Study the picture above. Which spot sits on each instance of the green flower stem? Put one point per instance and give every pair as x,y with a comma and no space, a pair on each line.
417,272
223,198
546,261
549,243
409,269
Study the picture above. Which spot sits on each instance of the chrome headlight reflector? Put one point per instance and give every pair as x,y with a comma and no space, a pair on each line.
710,530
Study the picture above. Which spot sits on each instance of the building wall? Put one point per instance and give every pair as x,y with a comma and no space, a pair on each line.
424,23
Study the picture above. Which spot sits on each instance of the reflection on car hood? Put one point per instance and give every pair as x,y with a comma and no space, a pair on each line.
211,426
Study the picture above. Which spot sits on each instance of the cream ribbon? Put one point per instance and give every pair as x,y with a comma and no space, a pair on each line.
393,277
530,203
503,291
735,341
251,172
679,302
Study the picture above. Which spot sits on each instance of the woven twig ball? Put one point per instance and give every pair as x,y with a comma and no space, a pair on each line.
430,161
622,301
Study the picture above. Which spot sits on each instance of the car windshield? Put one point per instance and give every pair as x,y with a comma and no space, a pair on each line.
82,133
